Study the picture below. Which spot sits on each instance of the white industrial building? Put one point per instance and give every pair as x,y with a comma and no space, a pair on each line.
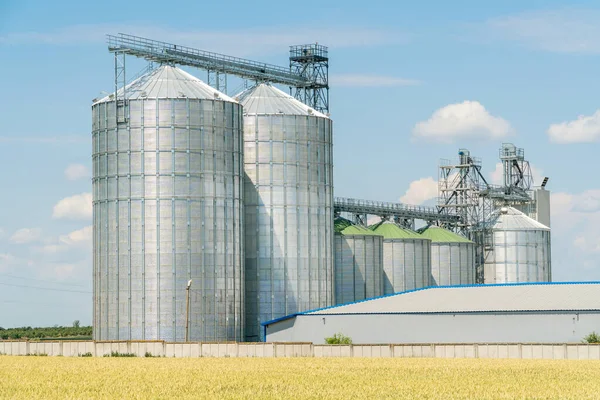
503,313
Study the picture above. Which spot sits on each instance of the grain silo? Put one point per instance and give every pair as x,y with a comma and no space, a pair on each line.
520,251
288,208
406,258
167,171
358,261
452,257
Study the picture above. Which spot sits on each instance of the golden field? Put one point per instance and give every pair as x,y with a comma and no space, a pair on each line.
296,378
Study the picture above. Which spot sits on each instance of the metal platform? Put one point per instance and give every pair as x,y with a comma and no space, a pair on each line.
385,209
155,50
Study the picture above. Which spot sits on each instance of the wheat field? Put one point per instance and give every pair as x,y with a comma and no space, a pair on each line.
295,378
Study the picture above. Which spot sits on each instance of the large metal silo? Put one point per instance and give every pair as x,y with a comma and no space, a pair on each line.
452,257
358,262
167,176
520,249
406,258
288,207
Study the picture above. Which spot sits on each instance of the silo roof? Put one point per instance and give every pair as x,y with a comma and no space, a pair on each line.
390,230
264,99
441,235
346,227
509,218
168,82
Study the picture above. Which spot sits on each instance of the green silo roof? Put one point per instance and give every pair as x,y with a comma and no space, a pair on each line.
347,227
441,235
390,230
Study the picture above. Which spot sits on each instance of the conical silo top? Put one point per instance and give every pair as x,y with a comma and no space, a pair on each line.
168,82
264,99
441,235
511,219
345,227
390,230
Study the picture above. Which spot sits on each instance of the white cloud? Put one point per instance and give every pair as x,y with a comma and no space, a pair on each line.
585,129
74,207
373,219
566,30
26,235
576,235
76,171
497,175
240,42
420,191
8,261
466,120
81,236
79,239
363,80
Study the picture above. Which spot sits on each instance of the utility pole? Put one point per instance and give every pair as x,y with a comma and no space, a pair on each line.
187,311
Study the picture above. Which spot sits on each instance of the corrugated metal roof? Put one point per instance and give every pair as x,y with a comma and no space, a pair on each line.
167,82
390,230
346,227
441,235
509,218
481,298
266,99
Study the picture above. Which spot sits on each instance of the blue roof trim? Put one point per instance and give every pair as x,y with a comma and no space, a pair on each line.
427,288
566,311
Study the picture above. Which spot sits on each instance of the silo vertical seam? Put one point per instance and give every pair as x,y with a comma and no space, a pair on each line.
95,224
143,210
117,236
214,225
203,216
298,219
189,196
96,295
226,222
157,202
309,215
105,223
173,224
241,224
355,268
271,234
129,224
285,217
318,211
259,293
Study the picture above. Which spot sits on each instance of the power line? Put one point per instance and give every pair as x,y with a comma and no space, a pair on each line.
42,280
44,288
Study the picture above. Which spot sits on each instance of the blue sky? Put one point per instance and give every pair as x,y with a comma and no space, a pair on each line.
512,71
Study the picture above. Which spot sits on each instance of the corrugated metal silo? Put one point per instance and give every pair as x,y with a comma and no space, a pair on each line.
288,206
167,170
452,257
520,250
406,258
358,262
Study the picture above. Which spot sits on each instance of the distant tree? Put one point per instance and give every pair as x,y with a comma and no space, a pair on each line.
76,323
338,338
592,338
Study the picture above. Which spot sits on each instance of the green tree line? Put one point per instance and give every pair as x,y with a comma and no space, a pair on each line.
56,331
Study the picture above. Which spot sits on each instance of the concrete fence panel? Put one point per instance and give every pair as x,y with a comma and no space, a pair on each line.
571,351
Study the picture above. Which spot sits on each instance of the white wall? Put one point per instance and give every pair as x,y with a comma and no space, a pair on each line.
440,328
